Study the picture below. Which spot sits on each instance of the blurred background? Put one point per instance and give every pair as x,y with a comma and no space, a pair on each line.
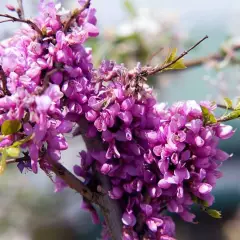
145,31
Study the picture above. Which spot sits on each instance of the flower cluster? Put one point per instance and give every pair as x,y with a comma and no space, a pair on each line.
40,71
156,157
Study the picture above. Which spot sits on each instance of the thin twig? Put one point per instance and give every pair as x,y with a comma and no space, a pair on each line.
150,58
20,10
29,22
213,57
161,68
225,107
72,181
9,20
76,13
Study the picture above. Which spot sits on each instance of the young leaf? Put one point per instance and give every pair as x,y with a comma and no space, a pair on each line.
13,152
228,102
232,115
170,58
208,117
204,203
178,65
10,126
214,213
3,163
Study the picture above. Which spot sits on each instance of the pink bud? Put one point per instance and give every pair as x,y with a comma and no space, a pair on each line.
10,7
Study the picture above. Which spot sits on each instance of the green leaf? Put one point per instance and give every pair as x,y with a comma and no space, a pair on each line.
197,200
232,115
208,117
22,141
178,65
3,163
10,127
170,58
13,152
130,8
214,213
228,102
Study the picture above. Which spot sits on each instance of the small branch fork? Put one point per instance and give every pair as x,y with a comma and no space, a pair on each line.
213,57
153,71
14,19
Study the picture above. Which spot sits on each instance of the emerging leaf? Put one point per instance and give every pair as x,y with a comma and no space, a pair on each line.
214,213
13,152
171,57
232,115
228,102
10,127
208,117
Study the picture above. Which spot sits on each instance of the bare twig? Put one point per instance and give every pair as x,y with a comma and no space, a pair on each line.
9,20
72,181
20,10
150,58
161,68
203,60
76,13
29,22
225,107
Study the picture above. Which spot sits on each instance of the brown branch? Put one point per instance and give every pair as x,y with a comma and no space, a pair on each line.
9,20
71,180
161,68
225,107
111,211
29,22
203,60
20,10
109,207
76,13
